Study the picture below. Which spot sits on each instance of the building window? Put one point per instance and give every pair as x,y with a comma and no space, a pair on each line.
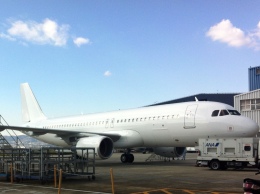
252,104
257,71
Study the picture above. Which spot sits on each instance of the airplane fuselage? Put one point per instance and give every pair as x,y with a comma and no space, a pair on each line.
178,125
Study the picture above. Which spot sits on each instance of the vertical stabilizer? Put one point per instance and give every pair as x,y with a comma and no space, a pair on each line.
31,110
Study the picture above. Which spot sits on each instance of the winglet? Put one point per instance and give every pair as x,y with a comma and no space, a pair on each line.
31,110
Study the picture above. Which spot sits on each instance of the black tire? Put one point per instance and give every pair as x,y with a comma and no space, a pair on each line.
124,158
214,165
131,158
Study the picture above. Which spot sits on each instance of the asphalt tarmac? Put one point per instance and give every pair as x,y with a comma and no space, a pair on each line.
144,177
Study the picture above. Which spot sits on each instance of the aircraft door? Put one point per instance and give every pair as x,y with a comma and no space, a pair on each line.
189,117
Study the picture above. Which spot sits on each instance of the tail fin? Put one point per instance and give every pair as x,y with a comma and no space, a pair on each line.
31,110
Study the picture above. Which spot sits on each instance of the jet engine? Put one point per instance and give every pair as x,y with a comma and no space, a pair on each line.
170,151
103,146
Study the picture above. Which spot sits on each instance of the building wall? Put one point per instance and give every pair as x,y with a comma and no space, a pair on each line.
254,78
251,110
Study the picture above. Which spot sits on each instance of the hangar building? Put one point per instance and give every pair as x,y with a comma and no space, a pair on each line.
227,98
248,104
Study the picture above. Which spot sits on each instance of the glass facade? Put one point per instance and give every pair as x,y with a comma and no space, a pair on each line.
254,78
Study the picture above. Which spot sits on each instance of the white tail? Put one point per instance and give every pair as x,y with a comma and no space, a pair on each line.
31,110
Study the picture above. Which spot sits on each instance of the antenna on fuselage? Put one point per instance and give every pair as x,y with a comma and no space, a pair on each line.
196,99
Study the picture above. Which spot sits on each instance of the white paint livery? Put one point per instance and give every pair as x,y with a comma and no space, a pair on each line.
173,125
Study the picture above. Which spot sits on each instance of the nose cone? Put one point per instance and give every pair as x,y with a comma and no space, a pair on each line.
251,128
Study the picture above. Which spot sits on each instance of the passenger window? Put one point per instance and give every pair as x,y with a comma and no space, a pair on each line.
215,113
223,113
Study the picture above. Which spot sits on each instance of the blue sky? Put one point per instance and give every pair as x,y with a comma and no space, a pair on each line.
94,56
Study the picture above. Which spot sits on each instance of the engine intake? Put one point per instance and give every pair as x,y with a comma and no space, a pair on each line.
103,146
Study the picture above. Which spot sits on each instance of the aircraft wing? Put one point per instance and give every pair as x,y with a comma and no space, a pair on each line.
60,132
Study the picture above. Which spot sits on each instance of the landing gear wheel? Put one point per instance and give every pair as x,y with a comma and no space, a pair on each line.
127,158
131,158
124,158
214,165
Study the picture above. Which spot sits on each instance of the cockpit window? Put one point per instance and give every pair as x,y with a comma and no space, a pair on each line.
215,113
223,112
233,112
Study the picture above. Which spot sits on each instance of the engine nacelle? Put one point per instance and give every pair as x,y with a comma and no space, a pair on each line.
170,151
103,146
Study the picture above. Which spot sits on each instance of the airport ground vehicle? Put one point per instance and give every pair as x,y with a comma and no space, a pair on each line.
226,153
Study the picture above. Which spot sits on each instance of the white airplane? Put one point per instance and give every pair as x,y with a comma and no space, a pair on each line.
174,125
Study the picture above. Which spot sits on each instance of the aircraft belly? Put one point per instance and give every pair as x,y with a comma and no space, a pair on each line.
162,137
157,135
129,139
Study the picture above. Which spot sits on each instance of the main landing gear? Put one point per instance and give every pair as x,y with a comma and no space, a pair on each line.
127,157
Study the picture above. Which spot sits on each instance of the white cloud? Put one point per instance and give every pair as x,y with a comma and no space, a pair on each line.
80,41
6,36
47,32
225,32
107,73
